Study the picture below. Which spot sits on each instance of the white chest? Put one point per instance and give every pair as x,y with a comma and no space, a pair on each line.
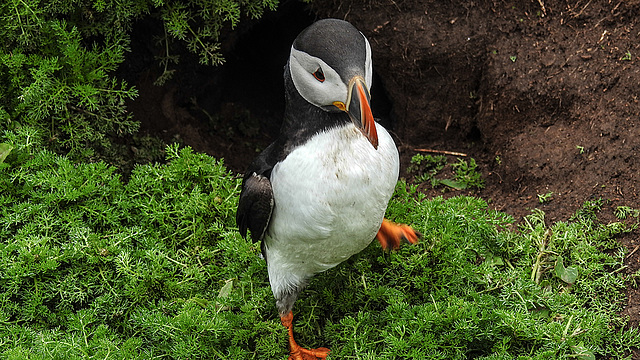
330,198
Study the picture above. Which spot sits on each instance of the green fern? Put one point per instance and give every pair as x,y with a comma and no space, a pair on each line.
96,266
57,62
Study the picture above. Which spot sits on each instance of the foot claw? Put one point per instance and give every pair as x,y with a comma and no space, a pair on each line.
309,354
391,235
298,352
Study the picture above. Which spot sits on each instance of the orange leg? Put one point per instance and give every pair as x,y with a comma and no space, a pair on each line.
391,235
298,352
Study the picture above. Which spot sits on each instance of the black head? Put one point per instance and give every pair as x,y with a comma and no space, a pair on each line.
330,67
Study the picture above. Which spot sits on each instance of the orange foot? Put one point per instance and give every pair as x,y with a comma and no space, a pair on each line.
391,235
298,352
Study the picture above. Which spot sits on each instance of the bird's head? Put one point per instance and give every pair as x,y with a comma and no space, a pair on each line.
330,65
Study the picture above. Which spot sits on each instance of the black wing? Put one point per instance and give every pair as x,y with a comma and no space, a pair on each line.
256,198
255,206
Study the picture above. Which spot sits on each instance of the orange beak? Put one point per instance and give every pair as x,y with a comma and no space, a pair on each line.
359,110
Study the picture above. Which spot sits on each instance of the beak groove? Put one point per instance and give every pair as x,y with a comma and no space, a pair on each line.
359,110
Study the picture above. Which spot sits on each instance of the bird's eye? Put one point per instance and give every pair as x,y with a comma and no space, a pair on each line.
319,75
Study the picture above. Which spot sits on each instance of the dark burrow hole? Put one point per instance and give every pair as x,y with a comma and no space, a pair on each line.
239,102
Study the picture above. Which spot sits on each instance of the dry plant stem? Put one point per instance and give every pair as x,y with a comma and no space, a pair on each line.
536,272
544,11
632,251
441,152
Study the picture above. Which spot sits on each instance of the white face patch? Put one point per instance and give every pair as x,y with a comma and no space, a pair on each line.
318,93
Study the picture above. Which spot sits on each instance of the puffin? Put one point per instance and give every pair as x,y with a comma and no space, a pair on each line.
318,194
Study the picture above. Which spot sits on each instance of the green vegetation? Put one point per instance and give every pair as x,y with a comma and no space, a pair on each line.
623,212
627,56
545,198
425,167
58,58
96,265
93,266
465,174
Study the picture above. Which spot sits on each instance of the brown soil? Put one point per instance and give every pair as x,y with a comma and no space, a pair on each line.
543,94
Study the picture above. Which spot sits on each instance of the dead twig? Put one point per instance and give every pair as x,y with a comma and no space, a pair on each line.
632,252
544,11
441,152
583,8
